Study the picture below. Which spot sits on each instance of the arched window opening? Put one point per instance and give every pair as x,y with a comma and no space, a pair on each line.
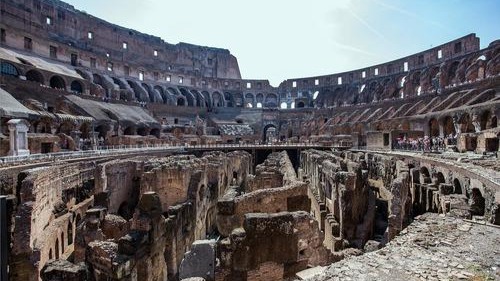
62,242
181,102
362,88
433,128
34,76
142,131
402,82
155,132
70,233
57,248
57,82
8,69
477,203
457,187
283,105
129,131
259,105
76,87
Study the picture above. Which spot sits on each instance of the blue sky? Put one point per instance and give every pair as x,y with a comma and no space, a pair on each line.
280,39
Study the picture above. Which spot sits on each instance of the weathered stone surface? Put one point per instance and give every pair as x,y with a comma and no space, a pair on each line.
433,247
61,270
199,261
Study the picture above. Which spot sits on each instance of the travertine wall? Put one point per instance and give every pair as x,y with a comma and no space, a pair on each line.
232,209
176,207
280,245
50,200
277,170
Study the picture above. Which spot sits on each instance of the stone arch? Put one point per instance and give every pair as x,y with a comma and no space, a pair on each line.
69,231
440,178
486,120
238,100
119,83
78,219
300,104
102,130
130,131
85,129
57,82
452,69
173,94
229,99
448,127
139,92
494,122
103,82
56,248
259,98
76,87
425,176
217,99
457,187
84,74
151,94
414,85
66,127
161,92
207,98
181,101
191,101
267,132
62,242
433,72
466,123
477,202
7,68
249,99
198,98
142,131
271,100
155,132
35,76
433,127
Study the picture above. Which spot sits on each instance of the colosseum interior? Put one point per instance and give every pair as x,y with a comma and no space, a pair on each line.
124,157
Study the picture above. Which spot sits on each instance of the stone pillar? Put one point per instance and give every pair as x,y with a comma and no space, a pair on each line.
94,140
76,137
4,245
18,129
441,130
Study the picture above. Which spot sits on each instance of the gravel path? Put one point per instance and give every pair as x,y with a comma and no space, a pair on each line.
433,247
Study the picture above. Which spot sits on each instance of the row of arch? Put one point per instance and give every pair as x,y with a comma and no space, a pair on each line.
415,83
54,81
473,195
446,125
179,96
64,238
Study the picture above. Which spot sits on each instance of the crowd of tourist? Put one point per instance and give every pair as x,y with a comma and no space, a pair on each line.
425,143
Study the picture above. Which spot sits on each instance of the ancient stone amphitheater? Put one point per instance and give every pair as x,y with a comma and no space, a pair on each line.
124,157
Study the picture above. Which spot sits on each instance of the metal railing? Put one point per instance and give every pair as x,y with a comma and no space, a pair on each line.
111,150
101,151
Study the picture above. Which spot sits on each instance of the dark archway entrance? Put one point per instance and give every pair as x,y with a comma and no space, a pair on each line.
270,133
